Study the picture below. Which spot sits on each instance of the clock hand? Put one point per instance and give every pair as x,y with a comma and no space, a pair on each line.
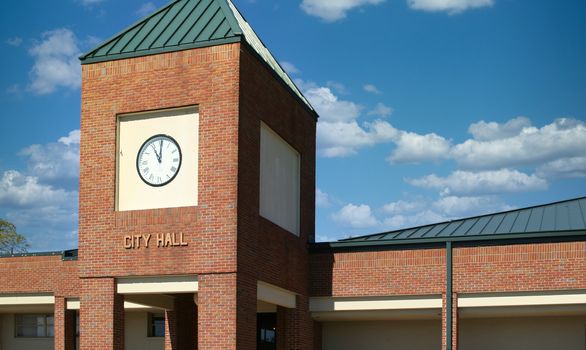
156,154
160,151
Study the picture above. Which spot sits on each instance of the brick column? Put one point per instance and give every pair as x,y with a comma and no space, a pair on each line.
170,330
317,339
299,326
64,325
101,315
226,312
454,322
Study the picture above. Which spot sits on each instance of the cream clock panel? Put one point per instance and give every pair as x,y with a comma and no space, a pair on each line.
157,159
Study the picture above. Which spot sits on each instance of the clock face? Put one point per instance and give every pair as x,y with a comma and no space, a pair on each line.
158,160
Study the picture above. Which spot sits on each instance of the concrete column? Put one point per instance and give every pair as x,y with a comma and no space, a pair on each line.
299,326
64,325
101,315
226,312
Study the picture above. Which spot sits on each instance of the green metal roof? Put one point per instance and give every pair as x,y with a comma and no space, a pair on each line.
559,219
188,24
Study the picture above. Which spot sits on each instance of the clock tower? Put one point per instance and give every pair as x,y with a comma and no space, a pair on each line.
197,185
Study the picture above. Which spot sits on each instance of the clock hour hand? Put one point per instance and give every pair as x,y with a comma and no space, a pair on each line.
156,153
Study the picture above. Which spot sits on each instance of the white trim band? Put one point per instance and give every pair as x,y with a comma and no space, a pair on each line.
27,300
275,295
154,285
325,304
520,300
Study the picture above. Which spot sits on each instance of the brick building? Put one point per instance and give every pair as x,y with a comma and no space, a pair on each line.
196,224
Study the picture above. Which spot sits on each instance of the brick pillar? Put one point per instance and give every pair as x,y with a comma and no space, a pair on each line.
101,315
299,326
454,322
226,312
64,325
170,329
317,340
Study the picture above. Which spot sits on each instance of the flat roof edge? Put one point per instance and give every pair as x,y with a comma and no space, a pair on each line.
70,254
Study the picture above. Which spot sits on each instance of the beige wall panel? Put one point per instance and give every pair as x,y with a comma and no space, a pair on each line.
412,335
9,342
133,131
135,333
537,333
279,181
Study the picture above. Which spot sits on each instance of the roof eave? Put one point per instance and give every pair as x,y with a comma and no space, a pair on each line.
460,239
150,52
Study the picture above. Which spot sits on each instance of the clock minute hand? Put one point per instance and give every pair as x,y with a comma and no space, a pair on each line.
160,151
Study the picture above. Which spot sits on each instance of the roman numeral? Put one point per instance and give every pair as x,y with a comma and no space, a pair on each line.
173,169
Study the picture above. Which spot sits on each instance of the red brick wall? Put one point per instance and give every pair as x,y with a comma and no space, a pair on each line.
226,312
379,273
101,323
207,77
481,269
265,250
40,274
521,267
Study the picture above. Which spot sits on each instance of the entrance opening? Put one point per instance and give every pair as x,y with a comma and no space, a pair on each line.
266,333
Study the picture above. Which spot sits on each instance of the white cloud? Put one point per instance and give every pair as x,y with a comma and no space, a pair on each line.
333,10
564,138
330,108
146,9
290,68
483,131
56,62
337,87
16,41
424,211
574,167
339,139
402,207
484,182
43,200
371,89
18,190
416,148
58,161
381,110
91,2
459,207
449,6
355,216
338,132
322,199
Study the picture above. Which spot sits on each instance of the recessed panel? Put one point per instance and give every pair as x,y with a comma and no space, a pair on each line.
158,159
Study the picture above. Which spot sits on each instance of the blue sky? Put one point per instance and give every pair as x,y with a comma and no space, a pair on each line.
430,109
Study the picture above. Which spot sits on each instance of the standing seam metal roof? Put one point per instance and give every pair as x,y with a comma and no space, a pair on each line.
188,24
560,218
